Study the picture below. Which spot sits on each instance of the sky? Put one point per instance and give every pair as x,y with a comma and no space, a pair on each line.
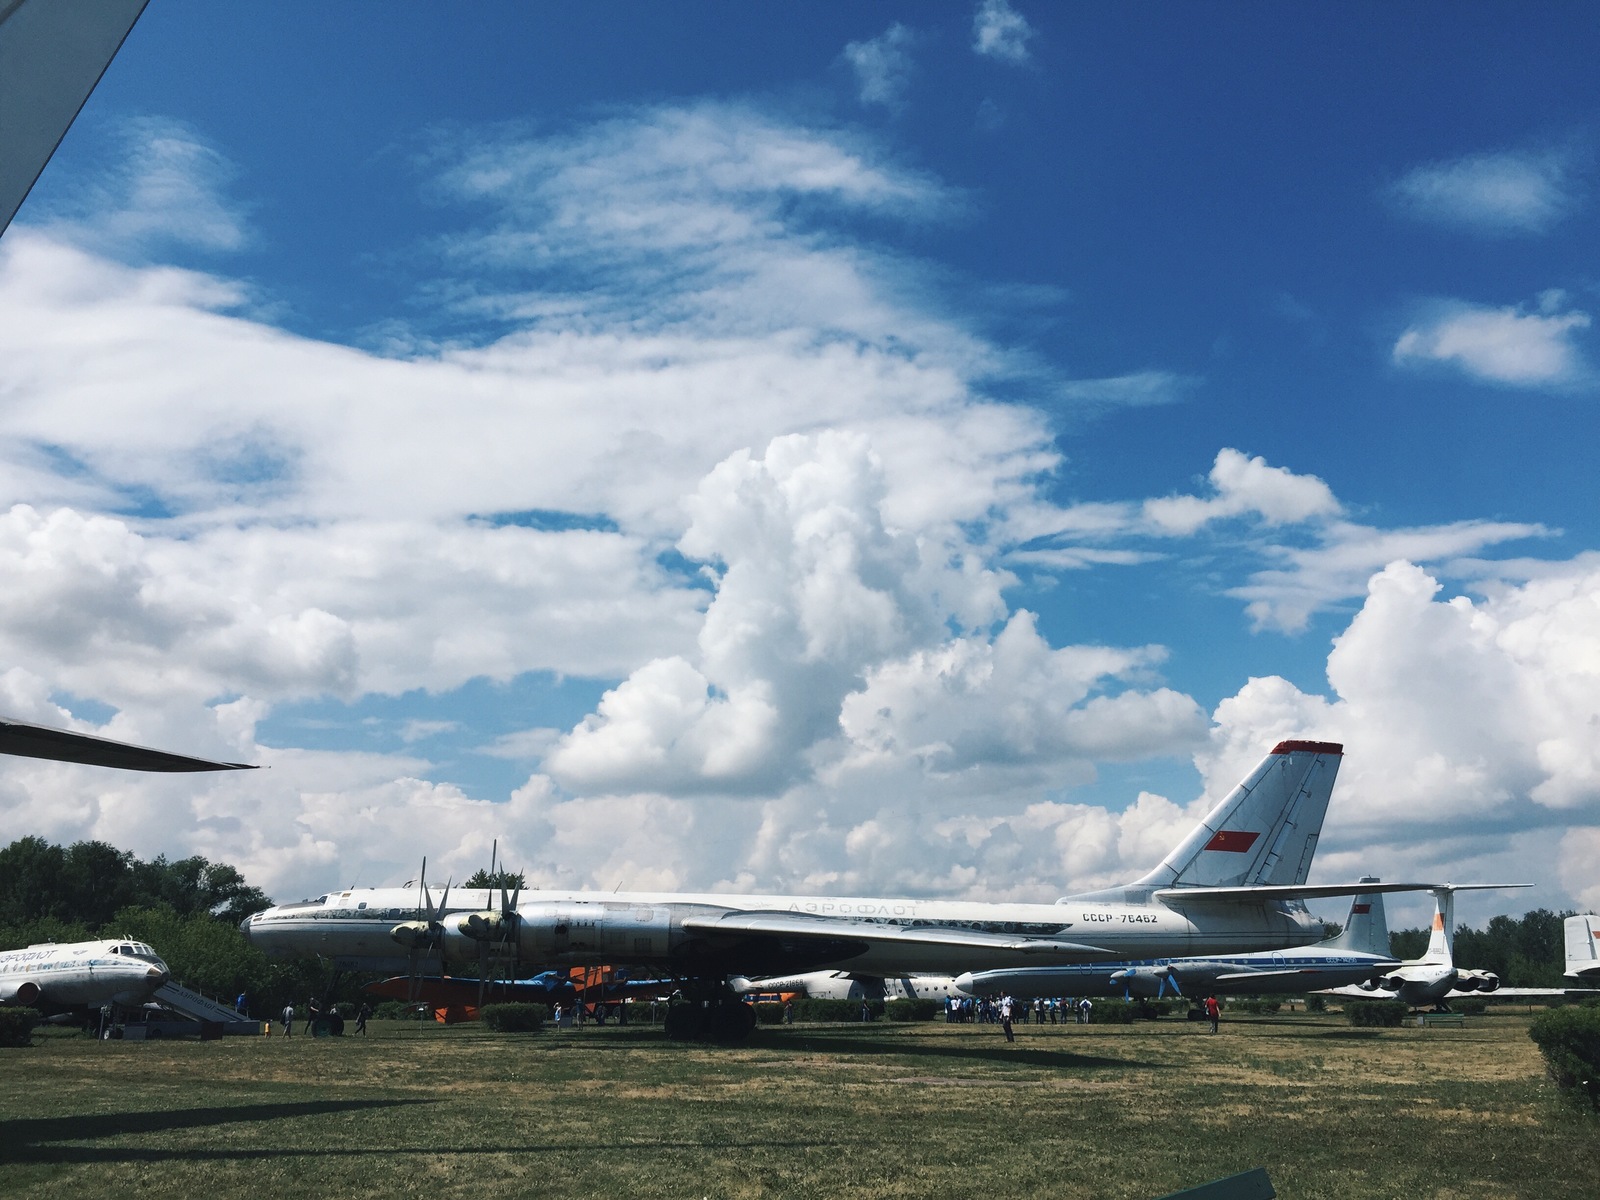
927,449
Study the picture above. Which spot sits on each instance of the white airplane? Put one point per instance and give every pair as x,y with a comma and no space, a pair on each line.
1357,953
1434,978
851,985
1583,947
55,977
1235,883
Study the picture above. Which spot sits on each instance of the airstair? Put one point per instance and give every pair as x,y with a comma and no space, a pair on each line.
203,1009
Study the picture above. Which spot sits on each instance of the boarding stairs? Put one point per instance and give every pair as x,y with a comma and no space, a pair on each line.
204,1009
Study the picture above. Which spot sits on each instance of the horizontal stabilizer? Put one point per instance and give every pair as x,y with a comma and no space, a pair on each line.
804,925
1306,891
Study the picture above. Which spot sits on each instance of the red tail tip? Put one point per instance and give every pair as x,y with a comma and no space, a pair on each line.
1308,748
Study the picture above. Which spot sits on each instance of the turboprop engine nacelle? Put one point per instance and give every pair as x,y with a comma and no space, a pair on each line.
417,935
1477,981
1146,982
467,937
588,931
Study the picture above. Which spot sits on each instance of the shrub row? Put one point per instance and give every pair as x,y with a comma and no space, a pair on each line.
1569,1039
1376,1013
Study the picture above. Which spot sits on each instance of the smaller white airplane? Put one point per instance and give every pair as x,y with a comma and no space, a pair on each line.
1357,953
851,985
1583,947
1434,978
58,977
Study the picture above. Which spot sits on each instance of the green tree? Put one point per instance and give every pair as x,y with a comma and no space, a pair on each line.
510,880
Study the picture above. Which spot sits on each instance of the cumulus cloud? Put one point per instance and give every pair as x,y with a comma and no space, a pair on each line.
1505,346
1245,485
882,66
825,616
1509,192
1000,31
1469,727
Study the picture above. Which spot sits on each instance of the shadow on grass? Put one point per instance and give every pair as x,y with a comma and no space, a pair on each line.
25,1139
873,1042
135,1154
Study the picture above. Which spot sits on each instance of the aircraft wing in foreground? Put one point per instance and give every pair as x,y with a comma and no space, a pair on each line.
62,745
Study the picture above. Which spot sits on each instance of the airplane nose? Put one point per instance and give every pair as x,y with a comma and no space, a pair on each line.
244,925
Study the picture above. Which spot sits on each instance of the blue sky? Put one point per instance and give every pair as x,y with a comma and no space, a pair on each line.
888,448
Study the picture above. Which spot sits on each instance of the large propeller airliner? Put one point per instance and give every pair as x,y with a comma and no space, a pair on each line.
1235,883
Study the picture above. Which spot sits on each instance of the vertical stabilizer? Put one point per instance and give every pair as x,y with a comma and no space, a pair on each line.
1583,954
1265,831
1367,929
1442,938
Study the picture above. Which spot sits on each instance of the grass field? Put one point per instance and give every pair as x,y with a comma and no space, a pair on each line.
890,1110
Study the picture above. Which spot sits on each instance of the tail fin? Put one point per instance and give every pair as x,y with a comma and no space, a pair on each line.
1441,941
1583,950
1265,831
1367,930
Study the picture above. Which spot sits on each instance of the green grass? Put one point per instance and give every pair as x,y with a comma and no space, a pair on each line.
891,1110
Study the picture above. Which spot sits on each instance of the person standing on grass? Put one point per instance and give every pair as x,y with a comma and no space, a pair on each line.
1085,1010
361,1019
1213,1012
313,1011
1005,1018
288,1019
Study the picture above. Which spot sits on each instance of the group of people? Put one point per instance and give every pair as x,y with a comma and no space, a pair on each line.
997,1010
1004,1011
314,1014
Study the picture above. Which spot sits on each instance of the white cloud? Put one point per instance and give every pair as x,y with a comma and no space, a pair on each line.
1338,567
1000,31
167,190
1500,345
882,66
1469,728
1509,192
1245,485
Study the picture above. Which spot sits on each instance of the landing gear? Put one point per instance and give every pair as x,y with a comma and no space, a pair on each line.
709,1011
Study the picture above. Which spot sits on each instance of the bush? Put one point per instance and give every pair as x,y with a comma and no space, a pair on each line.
769,1012
1474,1007
913,1010
514,1018
1316,1004
1387,1014
1125,1012
16,1025
809,1009
1569,1039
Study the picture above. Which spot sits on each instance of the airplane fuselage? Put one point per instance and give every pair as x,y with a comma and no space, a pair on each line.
679,931
53,977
